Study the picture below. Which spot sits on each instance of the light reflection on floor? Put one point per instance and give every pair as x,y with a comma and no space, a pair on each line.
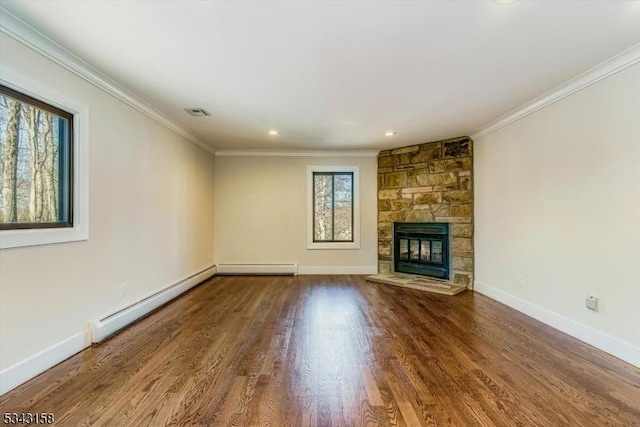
333,352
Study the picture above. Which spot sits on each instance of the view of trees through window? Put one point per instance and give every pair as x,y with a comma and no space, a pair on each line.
35,144
333,206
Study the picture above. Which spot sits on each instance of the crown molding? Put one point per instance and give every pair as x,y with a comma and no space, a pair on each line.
19,30
296,153
601,71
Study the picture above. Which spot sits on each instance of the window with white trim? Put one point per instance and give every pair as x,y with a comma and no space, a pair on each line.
333,207
44,194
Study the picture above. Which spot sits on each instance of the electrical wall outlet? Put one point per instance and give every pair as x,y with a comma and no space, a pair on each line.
593,303
123,290
520,280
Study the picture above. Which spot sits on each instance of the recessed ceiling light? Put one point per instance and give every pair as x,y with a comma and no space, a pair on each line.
389,133
197,112
273,132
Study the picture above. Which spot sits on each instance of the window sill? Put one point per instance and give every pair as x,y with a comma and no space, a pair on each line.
41,236
333,245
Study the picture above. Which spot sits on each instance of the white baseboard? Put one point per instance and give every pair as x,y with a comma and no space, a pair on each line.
367,269
109,324
29,368
21,372
605,342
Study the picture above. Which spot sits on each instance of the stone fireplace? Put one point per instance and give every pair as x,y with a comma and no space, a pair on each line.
428,184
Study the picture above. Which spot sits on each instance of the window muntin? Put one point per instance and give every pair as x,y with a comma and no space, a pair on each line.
333,245
333,213
36,169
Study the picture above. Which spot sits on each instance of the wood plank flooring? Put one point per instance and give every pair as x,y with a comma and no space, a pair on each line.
334,351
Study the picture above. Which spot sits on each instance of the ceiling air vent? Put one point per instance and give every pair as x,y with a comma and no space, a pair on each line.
197,112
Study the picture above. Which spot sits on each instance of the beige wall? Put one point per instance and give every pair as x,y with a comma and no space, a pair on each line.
151,221
261,212
557,201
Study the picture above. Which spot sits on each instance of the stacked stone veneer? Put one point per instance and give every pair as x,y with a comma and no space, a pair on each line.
430,182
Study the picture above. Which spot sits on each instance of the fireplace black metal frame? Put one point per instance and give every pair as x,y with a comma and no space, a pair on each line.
422,231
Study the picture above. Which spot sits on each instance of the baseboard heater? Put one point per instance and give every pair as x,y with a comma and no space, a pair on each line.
229,269
107,326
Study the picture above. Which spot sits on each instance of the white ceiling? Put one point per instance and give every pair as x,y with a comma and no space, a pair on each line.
336,74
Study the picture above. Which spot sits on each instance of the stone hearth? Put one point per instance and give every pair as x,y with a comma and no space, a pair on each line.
414,282
430,182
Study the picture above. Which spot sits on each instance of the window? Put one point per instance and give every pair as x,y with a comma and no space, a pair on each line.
36,188
333,206
333,211
44,174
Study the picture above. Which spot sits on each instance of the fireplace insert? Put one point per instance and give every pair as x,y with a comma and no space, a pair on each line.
421,248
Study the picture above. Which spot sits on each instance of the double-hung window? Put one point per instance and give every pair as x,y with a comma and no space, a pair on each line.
333,207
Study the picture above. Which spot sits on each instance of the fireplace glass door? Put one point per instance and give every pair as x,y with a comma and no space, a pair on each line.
422,248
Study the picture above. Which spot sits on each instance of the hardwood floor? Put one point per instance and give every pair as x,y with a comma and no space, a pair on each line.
333,351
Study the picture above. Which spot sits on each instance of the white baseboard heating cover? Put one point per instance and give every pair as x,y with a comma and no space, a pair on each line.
257,269
103,328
